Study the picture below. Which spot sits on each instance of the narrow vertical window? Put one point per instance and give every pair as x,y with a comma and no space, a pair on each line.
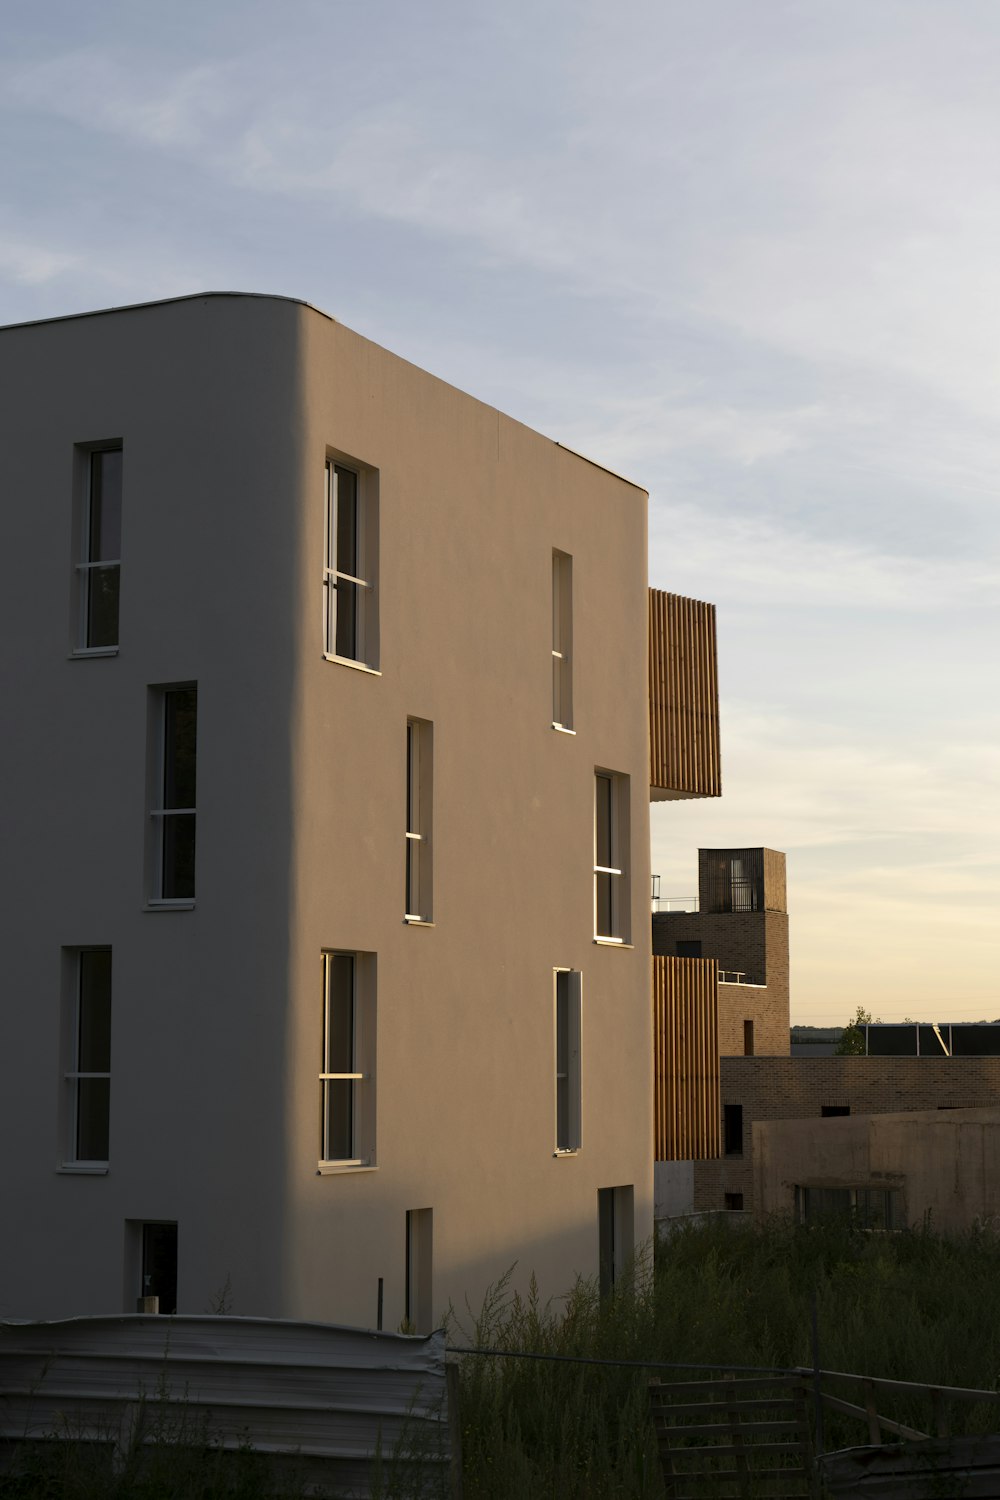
419,751
89,1077
158,1292
615,1233
99,566
611,882
174,799
562,641
350,621
748,1039
348,1051
568,1031
419,1313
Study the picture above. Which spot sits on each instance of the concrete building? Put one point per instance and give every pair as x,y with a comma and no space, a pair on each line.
330,733
939,1168
723,1066
820,1091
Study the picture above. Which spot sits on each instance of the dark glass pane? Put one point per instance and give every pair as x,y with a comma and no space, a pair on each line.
347,522
604,821
605,917
102,605
94,1031
178,857
93,1102
180,743
159,1264
348,598
105,505
410,810
340,1015
339,1142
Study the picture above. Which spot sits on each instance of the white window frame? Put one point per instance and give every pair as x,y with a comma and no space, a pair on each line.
86,565
613,787
159,812
562,641
74,1075
361,585
418,905
361,1075
568,997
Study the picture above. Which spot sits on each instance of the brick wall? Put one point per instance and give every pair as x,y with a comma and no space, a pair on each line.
791,1088
755,943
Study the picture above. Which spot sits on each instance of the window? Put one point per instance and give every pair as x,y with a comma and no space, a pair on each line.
419,757
733,1202
569,1008
89,1053
346,1080
99,548
158,1284
615,1234
562,641
174,722
732,1129
832,1111
868,1208
611,883
419,1309
748,1039
350,568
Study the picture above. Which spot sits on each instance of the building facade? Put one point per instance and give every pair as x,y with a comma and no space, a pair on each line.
326,894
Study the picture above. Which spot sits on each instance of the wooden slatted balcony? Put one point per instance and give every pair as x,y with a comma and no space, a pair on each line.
686,1097
683,698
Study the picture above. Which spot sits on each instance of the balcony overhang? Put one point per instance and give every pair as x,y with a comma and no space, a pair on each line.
684,757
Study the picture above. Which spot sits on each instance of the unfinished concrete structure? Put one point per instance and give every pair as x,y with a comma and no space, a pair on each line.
328,959
937,1167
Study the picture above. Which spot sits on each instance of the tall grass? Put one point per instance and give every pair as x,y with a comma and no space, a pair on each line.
910,1306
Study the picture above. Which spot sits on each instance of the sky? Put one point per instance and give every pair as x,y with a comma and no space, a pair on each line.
747,254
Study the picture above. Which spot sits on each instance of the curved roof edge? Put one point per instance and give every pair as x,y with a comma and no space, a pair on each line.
101,312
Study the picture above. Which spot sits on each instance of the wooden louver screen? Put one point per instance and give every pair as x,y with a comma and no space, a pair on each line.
686,1099
683,697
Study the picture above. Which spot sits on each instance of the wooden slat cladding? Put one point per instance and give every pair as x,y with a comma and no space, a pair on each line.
686,1098
683,698
775,894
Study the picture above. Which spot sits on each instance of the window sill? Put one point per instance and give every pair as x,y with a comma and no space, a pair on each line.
347,661
169,906
82,652
607,942
561,728
417,922
83,1169
571,1151
343,1168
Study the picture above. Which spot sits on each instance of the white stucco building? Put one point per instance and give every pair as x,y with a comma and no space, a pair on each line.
326,772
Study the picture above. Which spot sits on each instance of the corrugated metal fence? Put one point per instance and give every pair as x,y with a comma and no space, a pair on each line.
329,1406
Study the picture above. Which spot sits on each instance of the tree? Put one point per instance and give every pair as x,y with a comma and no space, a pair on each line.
852,1039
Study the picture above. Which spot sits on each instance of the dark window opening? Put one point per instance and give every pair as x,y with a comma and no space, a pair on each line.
159,1265
732,1129
830,1111
734,1202
689,947
748,1039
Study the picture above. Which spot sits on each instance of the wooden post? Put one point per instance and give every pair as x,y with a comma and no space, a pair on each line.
874,1426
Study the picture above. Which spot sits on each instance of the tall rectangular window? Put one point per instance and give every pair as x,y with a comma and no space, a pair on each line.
173,809
562,640
418,905
99,556
615,1233
732,1129
89,1054
569,1008
350,569
419,1306
611,857
346,1081
748,1039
